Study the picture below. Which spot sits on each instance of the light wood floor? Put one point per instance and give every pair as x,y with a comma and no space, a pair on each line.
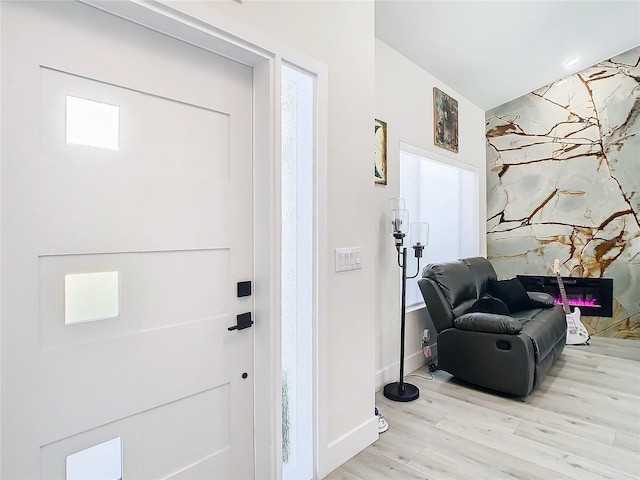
582,422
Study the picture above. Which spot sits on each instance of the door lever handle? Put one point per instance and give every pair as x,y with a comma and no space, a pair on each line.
242,321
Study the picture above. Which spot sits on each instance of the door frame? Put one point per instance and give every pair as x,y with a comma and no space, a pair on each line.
202,26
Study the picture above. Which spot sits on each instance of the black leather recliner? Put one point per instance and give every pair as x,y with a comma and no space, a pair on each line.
509,353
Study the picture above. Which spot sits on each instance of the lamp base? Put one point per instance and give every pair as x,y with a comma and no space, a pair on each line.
407,393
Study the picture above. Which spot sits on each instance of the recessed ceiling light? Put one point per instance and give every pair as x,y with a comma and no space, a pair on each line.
572,62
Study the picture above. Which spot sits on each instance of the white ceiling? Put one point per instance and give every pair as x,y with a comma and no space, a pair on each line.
492,52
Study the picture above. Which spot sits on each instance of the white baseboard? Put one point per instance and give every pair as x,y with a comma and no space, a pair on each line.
392,372
348,446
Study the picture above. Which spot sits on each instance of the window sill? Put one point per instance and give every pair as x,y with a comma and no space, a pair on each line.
414,307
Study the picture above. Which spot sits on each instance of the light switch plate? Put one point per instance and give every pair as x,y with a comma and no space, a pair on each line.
348,258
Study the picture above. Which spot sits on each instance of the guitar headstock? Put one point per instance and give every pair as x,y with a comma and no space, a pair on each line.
556,266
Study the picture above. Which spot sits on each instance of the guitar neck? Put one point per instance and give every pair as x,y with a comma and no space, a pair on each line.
563,295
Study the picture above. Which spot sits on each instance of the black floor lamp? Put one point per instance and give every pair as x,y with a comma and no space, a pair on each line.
419,238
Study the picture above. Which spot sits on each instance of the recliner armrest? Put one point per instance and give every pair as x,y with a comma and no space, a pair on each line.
541,300
488,323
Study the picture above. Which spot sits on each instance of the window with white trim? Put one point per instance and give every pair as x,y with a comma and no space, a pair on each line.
444,193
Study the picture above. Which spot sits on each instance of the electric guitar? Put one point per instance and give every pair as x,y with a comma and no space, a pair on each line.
577,334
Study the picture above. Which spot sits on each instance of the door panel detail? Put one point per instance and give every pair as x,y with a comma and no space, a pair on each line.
153,292
159,442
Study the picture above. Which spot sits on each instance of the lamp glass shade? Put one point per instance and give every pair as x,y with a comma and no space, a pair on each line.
419,234
400,221
397,204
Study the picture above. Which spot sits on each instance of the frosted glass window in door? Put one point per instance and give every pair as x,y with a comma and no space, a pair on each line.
101,462
91,296
91,123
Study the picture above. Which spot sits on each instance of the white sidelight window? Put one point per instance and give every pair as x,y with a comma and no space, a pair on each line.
297,273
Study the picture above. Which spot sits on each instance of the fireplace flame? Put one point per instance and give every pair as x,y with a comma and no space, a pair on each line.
579,302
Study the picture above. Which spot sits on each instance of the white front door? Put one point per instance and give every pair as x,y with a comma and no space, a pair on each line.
126,226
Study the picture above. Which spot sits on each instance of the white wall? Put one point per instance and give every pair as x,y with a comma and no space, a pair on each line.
404,99
341,35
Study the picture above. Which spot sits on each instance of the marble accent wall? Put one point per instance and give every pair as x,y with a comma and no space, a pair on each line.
563,181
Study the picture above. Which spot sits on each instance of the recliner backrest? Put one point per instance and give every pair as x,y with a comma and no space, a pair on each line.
449,290
482,272
454,279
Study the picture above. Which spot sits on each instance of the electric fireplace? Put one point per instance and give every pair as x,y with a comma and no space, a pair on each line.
593,296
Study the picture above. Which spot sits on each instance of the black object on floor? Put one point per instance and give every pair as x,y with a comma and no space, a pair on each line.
401,392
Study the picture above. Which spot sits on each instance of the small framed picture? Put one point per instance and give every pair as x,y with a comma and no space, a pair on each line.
445,121
380,152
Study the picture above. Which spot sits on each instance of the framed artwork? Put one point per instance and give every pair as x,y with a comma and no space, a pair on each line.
445,121
380,152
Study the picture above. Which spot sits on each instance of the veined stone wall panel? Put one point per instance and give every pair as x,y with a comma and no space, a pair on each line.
563,181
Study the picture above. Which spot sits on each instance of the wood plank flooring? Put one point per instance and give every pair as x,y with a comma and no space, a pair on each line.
582,422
